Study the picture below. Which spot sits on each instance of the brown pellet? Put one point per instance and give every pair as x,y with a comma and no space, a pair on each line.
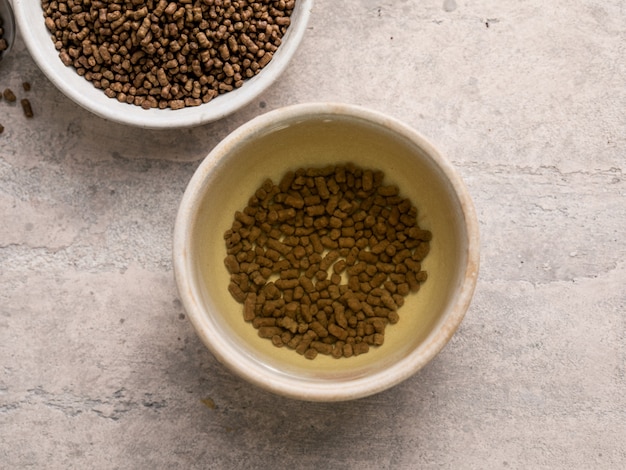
9,95
236,292
310,353
278,341
231,264
360,348
27,108
259,322
337,331
249,307
323,260
322,348
269,331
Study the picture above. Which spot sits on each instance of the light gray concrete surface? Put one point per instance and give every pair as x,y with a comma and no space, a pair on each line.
100,368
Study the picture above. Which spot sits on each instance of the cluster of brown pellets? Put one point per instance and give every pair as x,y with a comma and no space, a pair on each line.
8,94
4,45
10,97
163,53
322,260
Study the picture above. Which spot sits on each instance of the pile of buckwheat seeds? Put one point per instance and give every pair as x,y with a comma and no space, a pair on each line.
167,54
323,260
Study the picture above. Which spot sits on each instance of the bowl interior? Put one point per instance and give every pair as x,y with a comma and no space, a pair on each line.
29,16
230,175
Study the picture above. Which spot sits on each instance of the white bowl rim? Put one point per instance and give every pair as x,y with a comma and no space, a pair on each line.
65,79
280,383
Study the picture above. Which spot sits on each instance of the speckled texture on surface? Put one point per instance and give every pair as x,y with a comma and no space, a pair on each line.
99,367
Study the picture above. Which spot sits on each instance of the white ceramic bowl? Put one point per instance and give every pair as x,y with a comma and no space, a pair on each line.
29,15
317,135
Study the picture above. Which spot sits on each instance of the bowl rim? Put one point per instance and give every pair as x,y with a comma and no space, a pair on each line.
277,382
66,79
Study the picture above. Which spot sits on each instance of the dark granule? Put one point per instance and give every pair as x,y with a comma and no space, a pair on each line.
9,95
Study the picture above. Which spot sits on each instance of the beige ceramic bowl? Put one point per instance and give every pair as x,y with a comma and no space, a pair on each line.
316,135
30,19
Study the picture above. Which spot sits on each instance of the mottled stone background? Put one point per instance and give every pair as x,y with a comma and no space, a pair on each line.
100,368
